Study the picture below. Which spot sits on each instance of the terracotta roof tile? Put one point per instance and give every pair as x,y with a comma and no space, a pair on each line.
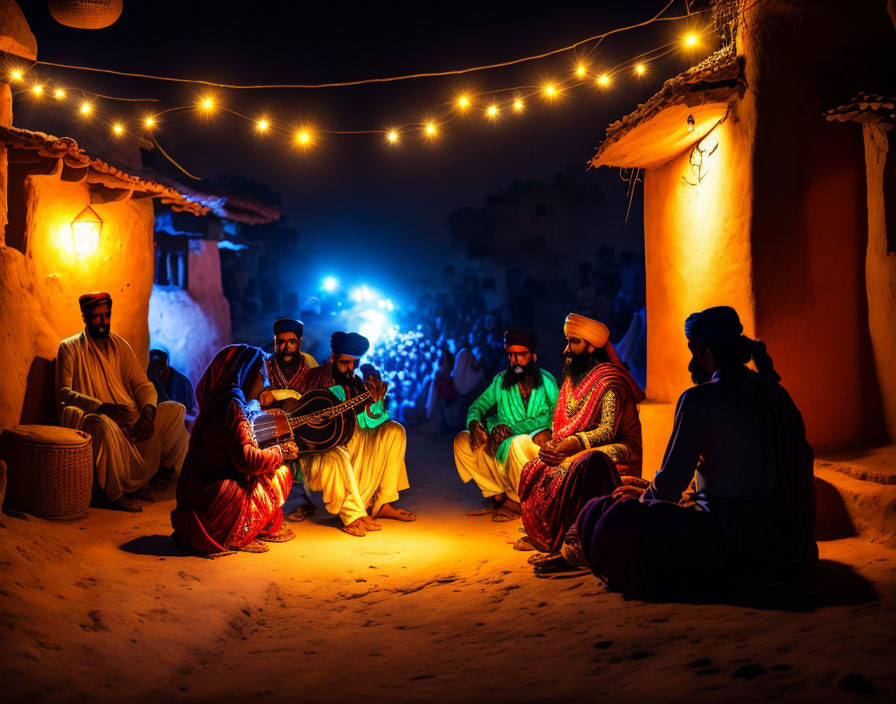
865,107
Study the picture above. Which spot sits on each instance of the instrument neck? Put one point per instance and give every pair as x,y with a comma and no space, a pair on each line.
330,412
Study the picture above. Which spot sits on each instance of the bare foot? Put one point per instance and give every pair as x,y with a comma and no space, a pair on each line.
371,524
398,514
523,544
301,513
126,504
282,535
254,546
356,528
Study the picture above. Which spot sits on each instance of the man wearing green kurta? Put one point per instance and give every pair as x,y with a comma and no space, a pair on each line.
519,401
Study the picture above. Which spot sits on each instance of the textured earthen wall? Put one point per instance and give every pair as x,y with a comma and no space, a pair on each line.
880,271
192,324
810,224
697,248
39,289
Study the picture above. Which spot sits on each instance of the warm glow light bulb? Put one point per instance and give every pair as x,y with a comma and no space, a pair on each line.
17,75
691,40
604,79
117,128
550,91
60,94
492,111
518,105
430,129
303,137
208,104
149,122
639,69
463,102
262,125
580,71
86,108
38,89
392,136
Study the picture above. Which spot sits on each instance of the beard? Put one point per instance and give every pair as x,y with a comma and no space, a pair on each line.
288,361
699,373
577,366
527,375
98,332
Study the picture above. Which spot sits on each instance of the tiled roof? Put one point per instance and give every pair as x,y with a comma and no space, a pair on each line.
865,107
73,156
718,78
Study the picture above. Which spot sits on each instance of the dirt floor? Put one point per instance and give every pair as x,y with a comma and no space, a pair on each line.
443,609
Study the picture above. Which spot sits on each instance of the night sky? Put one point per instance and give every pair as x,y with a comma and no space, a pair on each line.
355,194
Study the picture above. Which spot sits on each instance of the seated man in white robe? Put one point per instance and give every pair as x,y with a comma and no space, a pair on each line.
361,479
102,390
519,401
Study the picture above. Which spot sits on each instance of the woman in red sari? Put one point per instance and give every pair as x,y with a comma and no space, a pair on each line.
231,493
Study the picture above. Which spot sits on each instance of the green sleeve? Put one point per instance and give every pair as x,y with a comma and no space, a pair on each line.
364,420
486,401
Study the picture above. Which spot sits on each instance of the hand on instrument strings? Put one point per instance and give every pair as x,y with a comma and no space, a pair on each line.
478,436
554,452
541,438
145,425
118,412
289,450
498,435
377,388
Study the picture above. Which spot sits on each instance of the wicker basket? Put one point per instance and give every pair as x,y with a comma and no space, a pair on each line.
49,470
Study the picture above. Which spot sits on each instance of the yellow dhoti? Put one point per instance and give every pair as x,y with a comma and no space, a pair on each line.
365,474
491,476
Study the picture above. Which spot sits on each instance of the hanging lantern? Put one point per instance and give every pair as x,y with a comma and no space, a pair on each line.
85,14
86,229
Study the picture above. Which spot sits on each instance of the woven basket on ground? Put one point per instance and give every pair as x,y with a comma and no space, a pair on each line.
49,470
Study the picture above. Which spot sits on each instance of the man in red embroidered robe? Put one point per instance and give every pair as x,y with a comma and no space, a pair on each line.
596,437
285,370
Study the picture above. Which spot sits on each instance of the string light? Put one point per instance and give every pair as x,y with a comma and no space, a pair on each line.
550,89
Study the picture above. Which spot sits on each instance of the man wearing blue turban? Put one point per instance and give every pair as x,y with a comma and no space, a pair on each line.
746,535
360,480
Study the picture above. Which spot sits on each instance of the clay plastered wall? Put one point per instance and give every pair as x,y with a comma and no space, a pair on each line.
39,290
697,249
810,224
880,272
192,325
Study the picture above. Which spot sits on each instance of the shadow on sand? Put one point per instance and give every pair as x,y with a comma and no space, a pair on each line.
837,584
155,545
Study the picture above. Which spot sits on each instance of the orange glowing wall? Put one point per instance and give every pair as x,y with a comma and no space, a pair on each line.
39,287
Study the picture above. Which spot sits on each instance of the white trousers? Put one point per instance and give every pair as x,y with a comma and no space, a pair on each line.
491,476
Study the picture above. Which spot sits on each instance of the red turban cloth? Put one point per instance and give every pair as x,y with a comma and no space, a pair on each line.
89,301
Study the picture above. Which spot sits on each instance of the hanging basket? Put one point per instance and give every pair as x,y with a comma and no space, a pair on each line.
49,470
85,14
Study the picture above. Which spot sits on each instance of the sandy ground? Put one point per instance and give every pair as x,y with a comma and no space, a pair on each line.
439,610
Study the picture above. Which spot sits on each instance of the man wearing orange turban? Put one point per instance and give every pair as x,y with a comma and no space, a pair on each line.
596,436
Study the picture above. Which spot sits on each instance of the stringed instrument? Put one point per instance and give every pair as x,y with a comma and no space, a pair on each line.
319,422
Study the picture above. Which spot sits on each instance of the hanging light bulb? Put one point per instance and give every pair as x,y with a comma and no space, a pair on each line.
640,69
492,111
86,108
580,70
117,128
262,125
518,105
604,80
86,229
392,136
59,94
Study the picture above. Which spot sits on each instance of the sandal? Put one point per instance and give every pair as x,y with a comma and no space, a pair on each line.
540,557
253,546
523,545
557,564
283,535
300,514
503,515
